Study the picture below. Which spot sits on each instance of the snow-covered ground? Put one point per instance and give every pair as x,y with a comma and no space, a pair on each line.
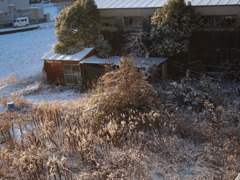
20,55
48,8
20,28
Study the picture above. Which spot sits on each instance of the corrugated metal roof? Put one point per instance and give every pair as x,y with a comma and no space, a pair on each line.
62,57
114,60
114,4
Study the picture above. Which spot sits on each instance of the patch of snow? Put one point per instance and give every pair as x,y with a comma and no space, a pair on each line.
48,8
74,57
19,28
52,10
21,52
46,25
54,94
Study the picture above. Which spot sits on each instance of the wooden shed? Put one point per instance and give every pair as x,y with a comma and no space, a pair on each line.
84,68
93,64
65,69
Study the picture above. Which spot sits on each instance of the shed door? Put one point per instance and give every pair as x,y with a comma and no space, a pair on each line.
72,74
55,72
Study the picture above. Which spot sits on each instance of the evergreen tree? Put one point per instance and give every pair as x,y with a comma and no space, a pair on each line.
77,27
172,26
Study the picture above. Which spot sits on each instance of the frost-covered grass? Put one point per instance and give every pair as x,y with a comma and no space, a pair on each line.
124,129
35,89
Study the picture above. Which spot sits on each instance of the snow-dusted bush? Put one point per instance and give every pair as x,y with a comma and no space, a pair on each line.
192,93
233,70
121,101
77,26
61,48
136,44
103,48
172,26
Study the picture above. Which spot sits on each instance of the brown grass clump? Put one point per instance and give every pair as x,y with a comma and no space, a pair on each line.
124,89
123,102
8,80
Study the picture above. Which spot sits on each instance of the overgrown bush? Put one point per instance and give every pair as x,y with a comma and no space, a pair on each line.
192,93
122,102
173,25
63,49
77,26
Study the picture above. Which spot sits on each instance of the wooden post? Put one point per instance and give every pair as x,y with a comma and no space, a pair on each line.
164,71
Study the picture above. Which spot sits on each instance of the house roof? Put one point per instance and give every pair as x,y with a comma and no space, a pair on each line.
65,57
116,4
114,60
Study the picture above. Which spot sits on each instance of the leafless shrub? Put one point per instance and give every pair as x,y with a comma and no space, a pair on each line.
136,44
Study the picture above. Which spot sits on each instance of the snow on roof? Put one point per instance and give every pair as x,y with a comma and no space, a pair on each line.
115,4
114,60
65,57
22,18
35,8
1,12
11,5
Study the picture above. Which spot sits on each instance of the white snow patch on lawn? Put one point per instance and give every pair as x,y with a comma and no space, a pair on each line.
51,95
53,10
20,53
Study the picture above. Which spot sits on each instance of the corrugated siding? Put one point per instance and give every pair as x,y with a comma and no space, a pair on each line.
113,4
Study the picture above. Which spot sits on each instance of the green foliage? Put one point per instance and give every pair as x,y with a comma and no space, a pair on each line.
77,27
173,25
103,48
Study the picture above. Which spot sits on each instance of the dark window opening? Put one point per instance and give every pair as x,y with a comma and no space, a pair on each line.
229,21
132,22
72,74
108,22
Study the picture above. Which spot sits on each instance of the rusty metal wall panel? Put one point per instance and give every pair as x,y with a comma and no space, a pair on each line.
54,72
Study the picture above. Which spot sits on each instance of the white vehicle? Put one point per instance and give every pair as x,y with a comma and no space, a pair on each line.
20,22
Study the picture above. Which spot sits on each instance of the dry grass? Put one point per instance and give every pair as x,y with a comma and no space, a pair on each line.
121,130
8,80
